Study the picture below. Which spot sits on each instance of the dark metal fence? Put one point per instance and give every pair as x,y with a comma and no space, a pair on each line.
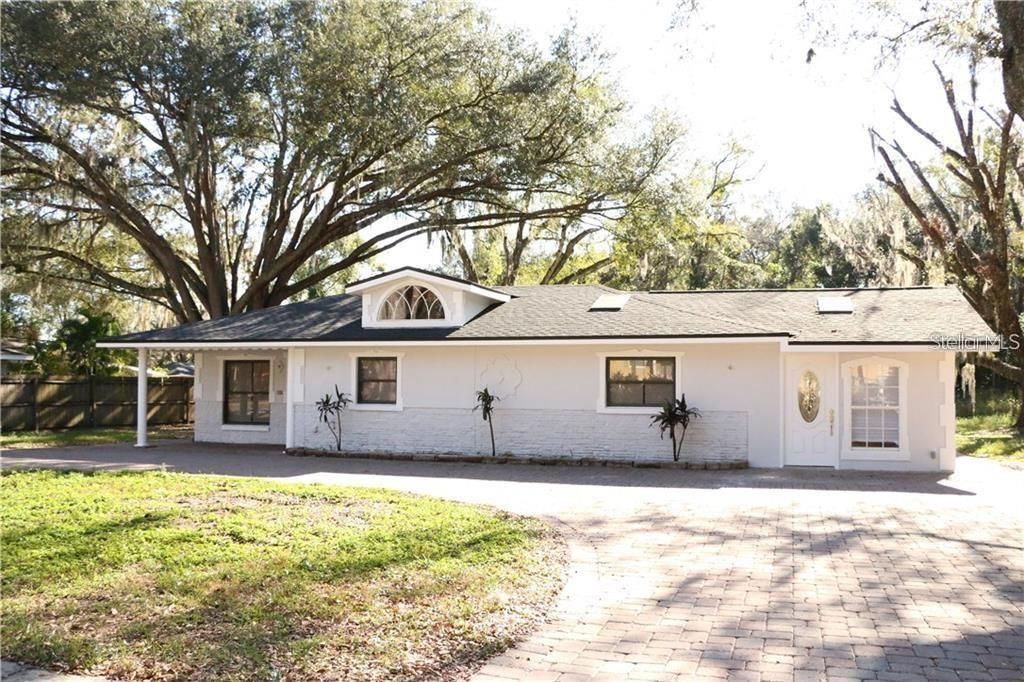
30,403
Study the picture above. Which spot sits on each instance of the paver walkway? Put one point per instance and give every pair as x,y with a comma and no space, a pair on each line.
745,575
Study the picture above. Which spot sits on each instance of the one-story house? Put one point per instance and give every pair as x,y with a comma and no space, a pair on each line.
845,378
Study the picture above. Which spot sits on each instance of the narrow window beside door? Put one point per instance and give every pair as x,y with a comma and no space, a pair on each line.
247,392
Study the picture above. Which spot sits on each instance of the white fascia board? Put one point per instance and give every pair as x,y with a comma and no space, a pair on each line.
784,345
233,345
433,279
861,348
493,295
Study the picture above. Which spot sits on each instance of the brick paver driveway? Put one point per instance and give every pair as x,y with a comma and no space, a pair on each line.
746,575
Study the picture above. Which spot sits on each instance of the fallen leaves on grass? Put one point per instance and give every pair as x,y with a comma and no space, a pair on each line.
170,576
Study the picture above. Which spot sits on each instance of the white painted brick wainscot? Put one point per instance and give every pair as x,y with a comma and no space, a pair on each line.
718,436
549,402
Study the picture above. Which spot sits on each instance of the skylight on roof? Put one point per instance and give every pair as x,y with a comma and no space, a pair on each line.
609,302
835,304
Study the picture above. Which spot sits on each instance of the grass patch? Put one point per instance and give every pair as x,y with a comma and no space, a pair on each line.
23,440
157,575
989,435
989,432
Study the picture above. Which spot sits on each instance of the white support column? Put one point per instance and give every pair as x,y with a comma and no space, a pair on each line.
947,412
780,407
294,393
142,399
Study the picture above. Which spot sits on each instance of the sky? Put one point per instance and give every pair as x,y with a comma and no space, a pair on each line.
738,71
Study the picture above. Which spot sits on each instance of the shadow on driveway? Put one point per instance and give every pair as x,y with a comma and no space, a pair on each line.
269,461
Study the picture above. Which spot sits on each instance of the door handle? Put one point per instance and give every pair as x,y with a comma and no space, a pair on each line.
831,422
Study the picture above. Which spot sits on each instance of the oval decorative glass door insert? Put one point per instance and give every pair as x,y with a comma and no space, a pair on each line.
809,396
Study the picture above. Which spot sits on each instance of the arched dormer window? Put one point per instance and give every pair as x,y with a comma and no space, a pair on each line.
412,303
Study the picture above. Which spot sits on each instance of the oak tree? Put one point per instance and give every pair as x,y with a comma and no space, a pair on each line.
970,210
232,144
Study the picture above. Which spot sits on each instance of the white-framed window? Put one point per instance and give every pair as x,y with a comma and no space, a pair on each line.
875,391
376,381
638,381
412,302
246,390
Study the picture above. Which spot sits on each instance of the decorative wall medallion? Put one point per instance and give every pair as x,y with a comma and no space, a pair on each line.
809,396
502,376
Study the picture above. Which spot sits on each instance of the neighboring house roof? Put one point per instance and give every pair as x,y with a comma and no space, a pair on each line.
171,369
880,316
10,351
180,369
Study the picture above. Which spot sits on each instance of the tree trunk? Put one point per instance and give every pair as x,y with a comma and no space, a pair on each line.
490,423
1019,423
1010,16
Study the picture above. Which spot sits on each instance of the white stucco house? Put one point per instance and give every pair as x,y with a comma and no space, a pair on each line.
846,378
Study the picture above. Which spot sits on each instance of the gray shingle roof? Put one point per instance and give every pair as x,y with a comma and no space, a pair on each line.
899,315
881,316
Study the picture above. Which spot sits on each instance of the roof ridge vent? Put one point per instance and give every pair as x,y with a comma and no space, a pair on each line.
611,302
835,304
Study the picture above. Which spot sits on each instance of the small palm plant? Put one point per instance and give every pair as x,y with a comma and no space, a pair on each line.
330,410
675,418
485,403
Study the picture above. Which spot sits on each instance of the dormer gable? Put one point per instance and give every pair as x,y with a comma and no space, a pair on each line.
410,297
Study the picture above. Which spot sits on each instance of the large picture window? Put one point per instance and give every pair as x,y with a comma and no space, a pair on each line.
875,404
247,392
377,381
640,382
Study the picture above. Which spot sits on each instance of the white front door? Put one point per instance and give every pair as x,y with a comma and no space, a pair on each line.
811,410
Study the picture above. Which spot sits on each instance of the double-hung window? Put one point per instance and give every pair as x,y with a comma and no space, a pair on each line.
247,392
377,381
875,405
639,382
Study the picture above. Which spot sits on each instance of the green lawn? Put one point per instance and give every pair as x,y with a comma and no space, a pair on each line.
989,432
86,436
989,435
159,576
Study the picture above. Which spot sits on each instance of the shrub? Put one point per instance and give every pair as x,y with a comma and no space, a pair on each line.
675,418
331,410
485,403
